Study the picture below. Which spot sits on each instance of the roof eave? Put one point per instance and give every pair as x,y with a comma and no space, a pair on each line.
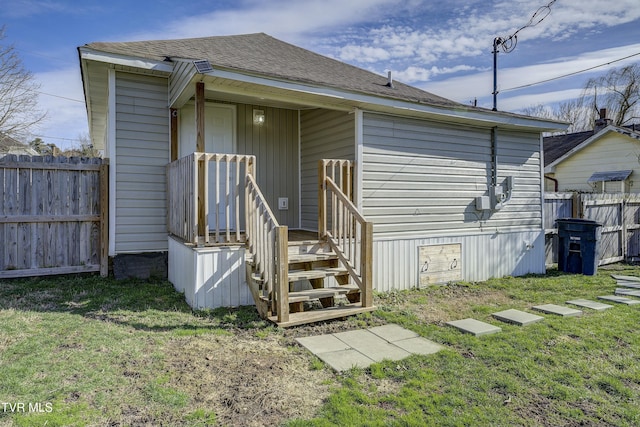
370,101
89,54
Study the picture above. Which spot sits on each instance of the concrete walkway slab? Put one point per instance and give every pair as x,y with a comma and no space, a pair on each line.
371,345
361,348
628,292
594,305
517,317
419,345
393,333
632,285
619,299
323,344
343,360
558,309
629,278
474,327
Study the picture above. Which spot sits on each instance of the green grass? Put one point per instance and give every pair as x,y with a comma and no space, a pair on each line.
562,371
95,351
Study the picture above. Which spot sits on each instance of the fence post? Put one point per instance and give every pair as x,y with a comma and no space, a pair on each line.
575,205
104,218
623,218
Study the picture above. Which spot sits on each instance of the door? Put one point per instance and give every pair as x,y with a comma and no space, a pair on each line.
219,137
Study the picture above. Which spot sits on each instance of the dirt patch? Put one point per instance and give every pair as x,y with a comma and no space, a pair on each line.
248,382
453,301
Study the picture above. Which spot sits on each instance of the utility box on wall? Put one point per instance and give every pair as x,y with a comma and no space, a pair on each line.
440,263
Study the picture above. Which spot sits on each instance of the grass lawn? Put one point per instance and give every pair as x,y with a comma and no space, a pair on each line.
81,350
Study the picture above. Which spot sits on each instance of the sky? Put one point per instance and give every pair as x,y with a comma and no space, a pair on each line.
443,47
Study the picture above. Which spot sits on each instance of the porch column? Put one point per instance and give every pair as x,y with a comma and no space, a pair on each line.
173,113
202,179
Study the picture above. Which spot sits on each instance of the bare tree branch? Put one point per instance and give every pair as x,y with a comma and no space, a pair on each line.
19,111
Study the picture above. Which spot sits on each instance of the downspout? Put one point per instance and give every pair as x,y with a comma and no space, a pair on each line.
555,183
494,157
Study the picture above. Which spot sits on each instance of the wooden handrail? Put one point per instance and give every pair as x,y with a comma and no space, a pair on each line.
346,230
267,242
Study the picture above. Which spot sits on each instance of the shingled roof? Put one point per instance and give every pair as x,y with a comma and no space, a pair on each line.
558,145
262,55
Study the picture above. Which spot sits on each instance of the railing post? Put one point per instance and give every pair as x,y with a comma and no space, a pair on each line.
322,200
366,260
282,275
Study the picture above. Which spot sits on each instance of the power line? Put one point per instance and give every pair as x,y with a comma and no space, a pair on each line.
55,96
570,74
57,137
508,44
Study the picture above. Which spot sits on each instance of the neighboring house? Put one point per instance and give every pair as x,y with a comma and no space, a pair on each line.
454,192
603,160
10,145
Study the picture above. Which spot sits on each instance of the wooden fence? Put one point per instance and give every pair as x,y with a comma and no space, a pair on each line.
618,213
53,216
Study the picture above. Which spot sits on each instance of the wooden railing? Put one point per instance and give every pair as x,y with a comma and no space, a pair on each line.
201,182
267,243
340,223
182,195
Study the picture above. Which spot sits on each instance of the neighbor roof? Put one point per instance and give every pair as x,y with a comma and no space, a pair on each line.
263,55
558,145
557,148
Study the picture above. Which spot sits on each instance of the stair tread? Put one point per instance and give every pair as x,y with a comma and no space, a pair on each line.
317,273
310,257
321,292
304,317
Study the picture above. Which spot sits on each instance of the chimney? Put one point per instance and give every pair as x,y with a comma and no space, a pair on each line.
602,122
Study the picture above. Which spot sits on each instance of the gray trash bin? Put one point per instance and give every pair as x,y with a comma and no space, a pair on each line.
578,245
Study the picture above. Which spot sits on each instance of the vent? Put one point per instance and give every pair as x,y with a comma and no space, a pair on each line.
203,66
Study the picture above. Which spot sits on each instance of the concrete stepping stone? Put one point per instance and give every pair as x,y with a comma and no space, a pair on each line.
393,332
361,348
594,305
632,285
419,345
627,278
372,345
474,327
628,292
619,299
558,309
344,360
517,317
405,339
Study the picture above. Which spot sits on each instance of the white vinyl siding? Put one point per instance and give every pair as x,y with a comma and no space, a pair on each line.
396,262
611,152
421,178
324,134
182,73
142,152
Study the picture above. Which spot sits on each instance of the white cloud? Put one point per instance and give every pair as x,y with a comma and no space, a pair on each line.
280,18
479,85
414,74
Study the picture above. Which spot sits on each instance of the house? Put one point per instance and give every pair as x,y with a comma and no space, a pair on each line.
9,145
603,160
228,153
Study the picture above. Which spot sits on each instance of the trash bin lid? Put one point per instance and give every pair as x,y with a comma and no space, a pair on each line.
579,221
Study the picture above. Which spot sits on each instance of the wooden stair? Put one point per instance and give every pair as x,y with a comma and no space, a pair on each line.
319,286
